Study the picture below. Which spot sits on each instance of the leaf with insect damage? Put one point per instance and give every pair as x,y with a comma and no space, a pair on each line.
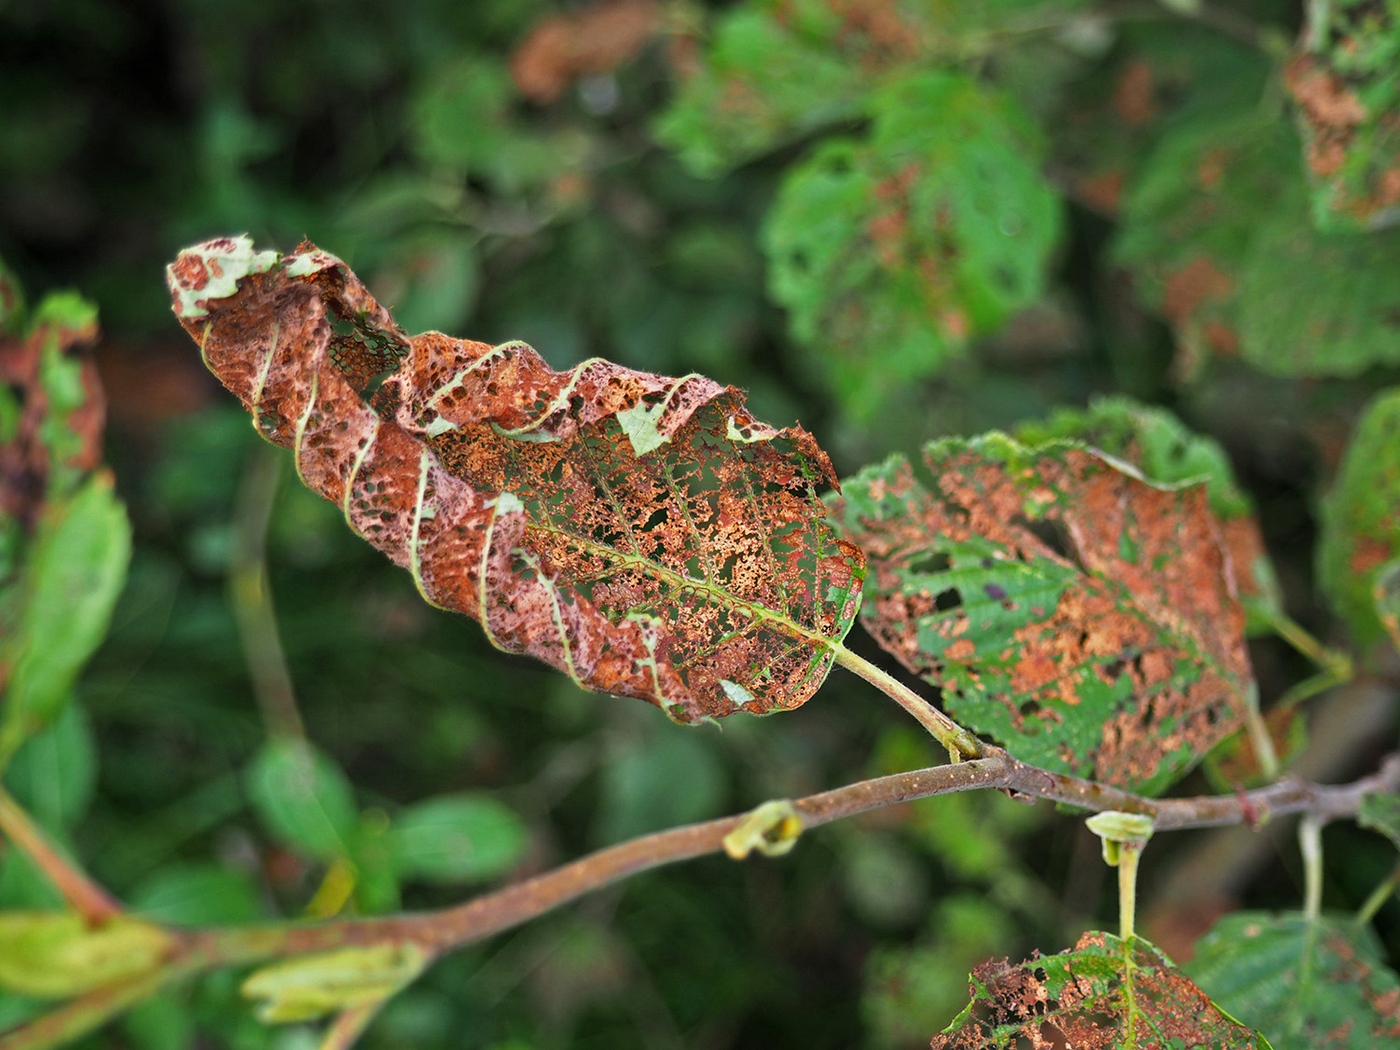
1105,994
645,535
1167,452
1360,536
1082,616
1316,984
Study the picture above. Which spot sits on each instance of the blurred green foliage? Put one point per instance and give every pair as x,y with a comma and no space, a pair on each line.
897,219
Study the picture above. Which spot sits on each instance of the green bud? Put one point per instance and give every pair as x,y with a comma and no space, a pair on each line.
57,955
1119,829
772,829
312,986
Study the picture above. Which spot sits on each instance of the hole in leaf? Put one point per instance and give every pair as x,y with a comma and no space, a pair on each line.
1054,535
934,561
949,599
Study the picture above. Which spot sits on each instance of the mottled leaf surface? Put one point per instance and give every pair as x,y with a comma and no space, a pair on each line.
644,534
1361,518
1167,452
891,253
1105,994
1345,81
1305,985
1078,614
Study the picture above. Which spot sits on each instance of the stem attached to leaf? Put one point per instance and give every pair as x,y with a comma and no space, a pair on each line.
961,744
1124,836
1310,843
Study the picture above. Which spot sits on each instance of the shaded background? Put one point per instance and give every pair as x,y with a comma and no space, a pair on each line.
493,169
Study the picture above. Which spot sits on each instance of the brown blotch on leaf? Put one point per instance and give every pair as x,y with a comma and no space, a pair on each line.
592,40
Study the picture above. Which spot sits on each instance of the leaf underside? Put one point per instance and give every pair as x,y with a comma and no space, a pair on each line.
1102,995
1306,985
1080,615
643,534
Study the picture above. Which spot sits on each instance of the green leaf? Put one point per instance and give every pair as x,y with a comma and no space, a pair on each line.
1105,994
303,798
197,894
1191,219
764,81
1314,304
1305,985
76,566
456,838
1386,591
638,790
1080,615
1167,452
54,773
1360,530
57,955
1381,813
1347,90
891,253
311,986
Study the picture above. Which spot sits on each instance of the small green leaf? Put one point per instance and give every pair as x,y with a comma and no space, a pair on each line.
54,774
76,566
1381,813
456,838
197,894
303,798
54,955
312,986
1316,985
1104,993
1361,518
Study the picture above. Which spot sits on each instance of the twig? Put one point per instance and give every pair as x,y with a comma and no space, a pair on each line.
455,927
83,895
251,597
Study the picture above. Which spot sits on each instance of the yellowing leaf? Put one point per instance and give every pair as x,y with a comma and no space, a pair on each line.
312,986
58,955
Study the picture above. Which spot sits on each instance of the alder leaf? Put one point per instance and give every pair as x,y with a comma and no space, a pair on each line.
1080,615
1104,994
1159,445
1306,985
643,534
1360,532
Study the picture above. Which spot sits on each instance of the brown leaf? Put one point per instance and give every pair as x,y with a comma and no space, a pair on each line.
646,535
594,39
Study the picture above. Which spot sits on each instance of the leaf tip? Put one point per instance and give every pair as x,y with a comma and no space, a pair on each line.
212,270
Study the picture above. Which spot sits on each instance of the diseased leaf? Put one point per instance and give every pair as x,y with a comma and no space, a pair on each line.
1381,813
1105,994
1190,221
1080,615
777,69
645,535
1305,985
1314,304
55,955
1361,518
1386,591
892,253
1345,79
1167,453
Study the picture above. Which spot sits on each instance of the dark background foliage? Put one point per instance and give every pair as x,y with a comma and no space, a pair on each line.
545,207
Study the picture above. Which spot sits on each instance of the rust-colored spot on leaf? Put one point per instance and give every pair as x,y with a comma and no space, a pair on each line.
1197,283
594,39
644,534
1134,96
